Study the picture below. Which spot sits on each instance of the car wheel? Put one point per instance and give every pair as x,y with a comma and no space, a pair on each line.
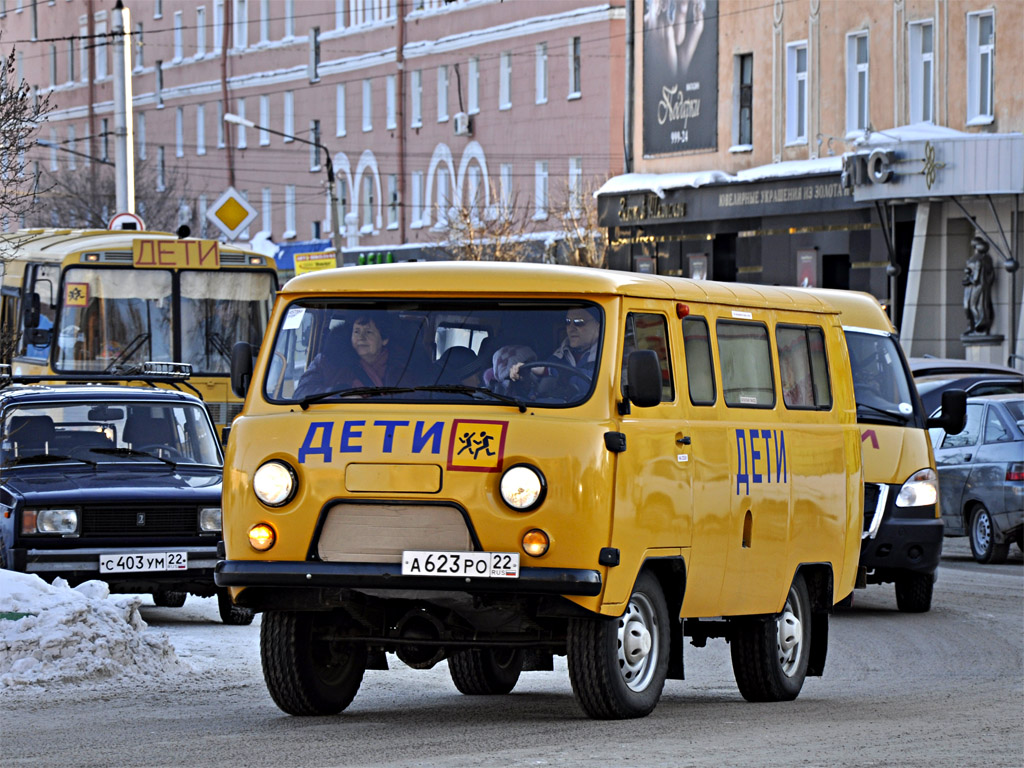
770,655
1020,539
169,599
914,592
982,534
618,666
486,671
306,669
234,615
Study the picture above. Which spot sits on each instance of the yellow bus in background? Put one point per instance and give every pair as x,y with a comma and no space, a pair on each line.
101,302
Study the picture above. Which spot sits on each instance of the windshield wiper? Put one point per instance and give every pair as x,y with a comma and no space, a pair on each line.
899,418
461,389
133,452
127,352
47,458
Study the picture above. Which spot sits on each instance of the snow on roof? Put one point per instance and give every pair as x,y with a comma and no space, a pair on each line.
71,636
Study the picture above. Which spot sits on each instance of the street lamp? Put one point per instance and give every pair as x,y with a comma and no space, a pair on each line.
328,164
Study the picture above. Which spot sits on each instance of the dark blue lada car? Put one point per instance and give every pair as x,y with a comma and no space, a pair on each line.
112,482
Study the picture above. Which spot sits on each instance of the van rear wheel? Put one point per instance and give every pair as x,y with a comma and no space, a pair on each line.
618,666
770,654
486,671
307,669
914,592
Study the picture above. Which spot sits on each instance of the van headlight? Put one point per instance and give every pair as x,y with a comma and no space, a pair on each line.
523,487
920,489
274,483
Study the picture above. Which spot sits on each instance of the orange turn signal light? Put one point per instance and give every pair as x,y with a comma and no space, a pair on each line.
535,542
262,537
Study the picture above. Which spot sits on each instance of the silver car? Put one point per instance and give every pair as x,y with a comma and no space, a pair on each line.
981,476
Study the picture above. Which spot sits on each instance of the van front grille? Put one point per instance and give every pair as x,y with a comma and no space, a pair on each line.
379,533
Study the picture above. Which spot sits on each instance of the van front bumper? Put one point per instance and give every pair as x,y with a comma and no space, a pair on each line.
899,539
532,581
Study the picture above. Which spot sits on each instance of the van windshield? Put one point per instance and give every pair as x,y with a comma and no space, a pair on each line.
467,352
881,385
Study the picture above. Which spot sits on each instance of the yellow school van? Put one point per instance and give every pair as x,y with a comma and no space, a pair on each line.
902,538
495,464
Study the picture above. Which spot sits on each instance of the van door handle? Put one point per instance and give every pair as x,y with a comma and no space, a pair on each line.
682,439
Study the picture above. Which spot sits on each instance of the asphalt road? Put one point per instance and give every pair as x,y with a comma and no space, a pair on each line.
944,688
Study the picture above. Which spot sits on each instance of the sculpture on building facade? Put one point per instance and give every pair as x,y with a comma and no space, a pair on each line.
978,278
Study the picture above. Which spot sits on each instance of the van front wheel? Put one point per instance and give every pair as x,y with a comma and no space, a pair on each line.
770,654
618,666
308,671
914,592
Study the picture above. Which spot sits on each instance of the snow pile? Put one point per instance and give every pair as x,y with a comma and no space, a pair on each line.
76,635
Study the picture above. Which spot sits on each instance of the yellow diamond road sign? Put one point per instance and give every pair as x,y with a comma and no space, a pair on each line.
231,213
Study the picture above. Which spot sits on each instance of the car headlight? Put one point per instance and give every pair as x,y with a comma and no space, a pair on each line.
920,489
210,519
523,487
61,521
274,483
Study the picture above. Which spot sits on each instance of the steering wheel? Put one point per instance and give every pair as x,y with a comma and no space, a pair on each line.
163,451
571,370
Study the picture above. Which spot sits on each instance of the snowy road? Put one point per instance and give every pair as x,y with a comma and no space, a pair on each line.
939,689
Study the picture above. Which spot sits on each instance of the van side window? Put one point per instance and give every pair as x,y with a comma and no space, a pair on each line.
700,373
746,359
649,331
803,368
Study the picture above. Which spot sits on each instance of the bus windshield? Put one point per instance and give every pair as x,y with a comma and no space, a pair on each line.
111,317
483,352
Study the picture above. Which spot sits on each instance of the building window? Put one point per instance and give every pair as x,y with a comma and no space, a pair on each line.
159,85
473,89
575,68
505,81
390,89
289,212
71,60
240,22
505,177
179,132
540,189
179,35
72,163
575,185
158,9
200,129
289,21
140,135
101,47
200,31
339,110
442,93
264,21
53,65
314,147
268,211
161,170
392,201
314,54
218,25
342,203
796,93
981,44
367,105
366,204
417,200
922,72
84,50
857,82
339,14
139,48
540,56
240,129
416,97
264,120
473,192
220,125
743,101
203,221
289,116
53,149
443,199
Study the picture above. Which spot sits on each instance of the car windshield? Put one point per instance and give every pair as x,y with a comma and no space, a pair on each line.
105,431
880,383
467,352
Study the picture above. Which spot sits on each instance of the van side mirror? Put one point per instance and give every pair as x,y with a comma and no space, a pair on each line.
954,412
241,368
643,378
31,311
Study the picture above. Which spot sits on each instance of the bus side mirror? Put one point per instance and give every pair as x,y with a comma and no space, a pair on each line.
241,368
643,378
31,311
954,412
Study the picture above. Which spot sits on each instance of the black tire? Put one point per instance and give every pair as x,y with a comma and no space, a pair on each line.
169,599
770,654
307,672
914,592
486,671
982,534
1020,539
618,665
234,615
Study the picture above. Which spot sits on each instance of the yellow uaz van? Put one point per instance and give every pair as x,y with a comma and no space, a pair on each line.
497,463
902,537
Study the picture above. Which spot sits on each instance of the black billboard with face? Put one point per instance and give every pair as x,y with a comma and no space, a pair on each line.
680,84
